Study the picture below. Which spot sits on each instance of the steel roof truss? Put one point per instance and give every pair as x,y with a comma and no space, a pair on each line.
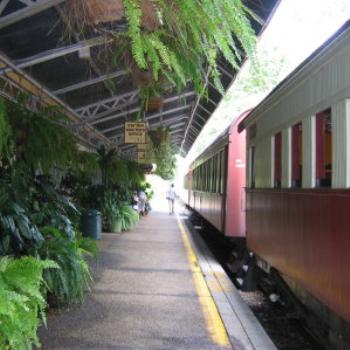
165,123
100,118
32,8
204,109
58,52
89,82
101,108
223,70
197,115
147,118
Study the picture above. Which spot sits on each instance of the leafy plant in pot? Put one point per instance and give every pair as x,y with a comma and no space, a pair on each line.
94,12
110,212
162,153
68,283
151,97
158,135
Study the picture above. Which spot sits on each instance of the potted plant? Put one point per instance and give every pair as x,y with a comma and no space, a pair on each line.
158,135
110,212
94,12
178,42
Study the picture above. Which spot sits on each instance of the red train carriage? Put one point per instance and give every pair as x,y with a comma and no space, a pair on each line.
216,182
298,177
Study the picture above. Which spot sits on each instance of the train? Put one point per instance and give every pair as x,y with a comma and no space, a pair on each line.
278,179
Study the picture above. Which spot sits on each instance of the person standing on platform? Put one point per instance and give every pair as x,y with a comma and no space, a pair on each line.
170,196
142,202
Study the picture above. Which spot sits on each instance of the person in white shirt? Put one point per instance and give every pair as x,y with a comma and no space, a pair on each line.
142,202
170,196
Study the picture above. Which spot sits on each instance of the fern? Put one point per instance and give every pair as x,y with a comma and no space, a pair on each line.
192,31
41,139
133,13
21,301
128,217
69,283
5,128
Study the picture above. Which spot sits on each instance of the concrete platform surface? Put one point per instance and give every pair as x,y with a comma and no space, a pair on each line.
149,293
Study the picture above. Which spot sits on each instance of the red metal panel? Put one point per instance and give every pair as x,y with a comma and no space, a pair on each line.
305,235
236,177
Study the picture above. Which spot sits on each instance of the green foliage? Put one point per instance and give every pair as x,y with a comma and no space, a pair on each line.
105,161
162,153
136,176
87,164
67,284
52,208
40,138
21,301
191,34
110,210
5,128
165,160
117,215
26,203
119,171
127,216
18,233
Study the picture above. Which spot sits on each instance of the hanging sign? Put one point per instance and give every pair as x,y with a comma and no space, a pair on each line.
135,133
142,147
141,157
145,146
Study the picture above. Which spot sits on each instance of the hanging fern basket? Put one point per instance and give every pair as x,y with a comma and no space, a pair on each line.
94,12
155,104
158,136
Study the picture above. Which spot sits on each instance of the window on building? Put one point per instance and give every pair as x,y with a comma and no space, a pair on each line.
324,148
278,160
297,155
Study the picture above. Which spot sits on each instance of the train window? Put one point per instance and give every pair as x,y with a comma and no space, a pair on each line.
222,171
218,174
213,180
206,169
297,155
208,174
252,167
185,182
217,184
194,179
212,175
324,148
198,180
215,165
201,178
277,160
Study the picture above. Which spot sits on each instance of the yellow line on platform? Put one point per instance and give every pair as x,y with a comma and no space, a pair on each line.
214,323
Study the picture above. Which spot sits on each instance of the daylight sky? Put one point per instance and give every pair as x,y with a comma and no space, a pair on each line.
295,31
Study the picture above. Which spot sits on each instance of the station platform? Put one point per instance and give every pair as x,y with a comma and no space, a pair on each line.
157,287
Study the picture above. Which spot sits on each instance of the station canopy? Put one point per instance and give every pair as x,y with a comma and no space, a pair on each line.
54,65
